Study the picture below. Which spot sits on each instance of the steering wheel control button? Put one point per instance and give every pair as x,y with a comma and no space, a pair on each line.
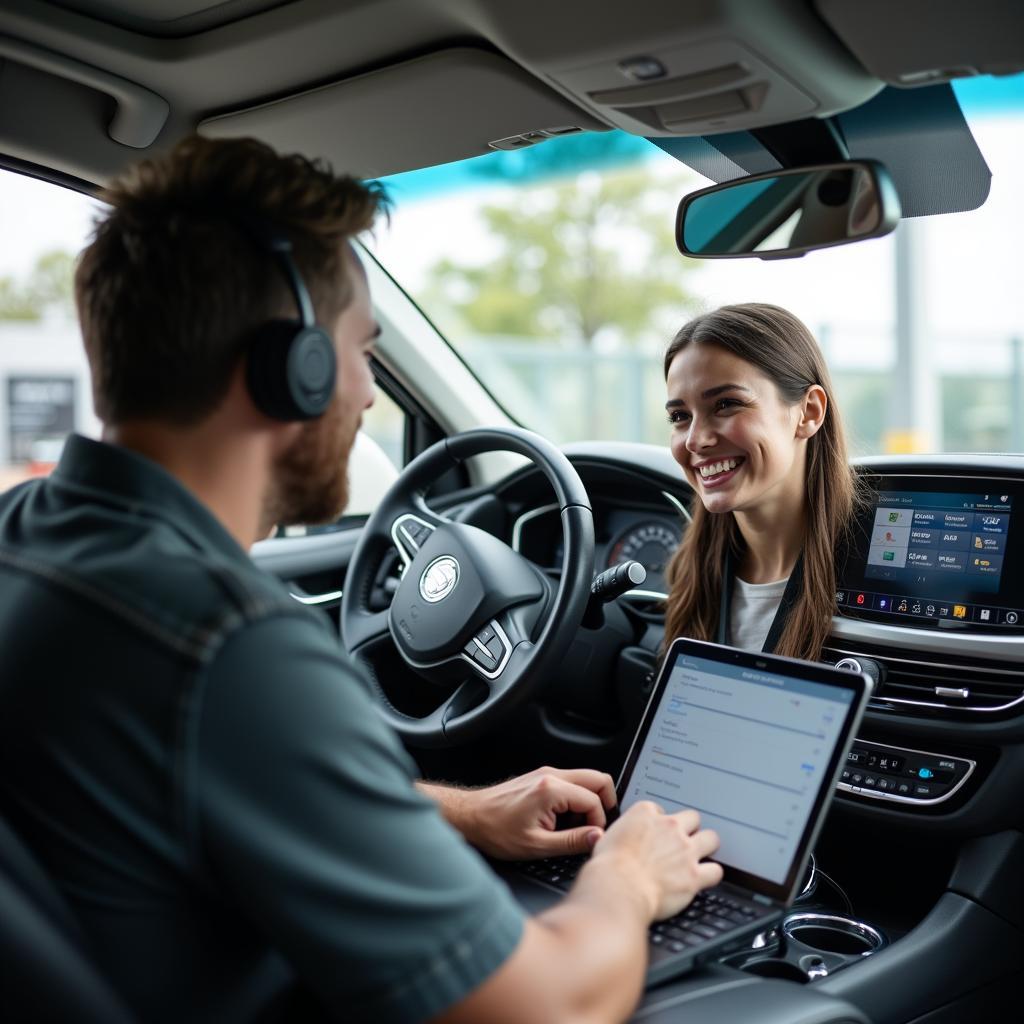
416,532
486,659
485,635
409,534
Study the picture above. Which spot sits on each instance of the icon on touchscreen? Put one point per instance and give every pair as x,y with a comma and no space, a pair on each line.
959,611
894,517
903,605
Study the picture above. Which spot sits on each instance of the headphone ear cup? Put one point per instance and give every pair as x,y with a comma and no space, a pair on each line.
291,370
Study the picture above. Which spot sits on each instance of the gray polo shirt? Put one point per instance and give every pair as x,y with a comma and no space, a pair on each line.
203,773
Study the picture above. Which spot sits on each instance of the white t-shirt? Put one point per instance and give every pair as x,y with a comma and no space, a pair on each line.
752,611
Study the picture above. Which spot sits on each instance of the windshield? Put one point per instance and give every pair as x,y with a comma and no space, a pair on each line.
553,272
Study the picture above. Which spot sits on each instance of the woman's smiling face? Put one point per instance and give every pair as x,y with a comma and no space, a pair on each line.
740,445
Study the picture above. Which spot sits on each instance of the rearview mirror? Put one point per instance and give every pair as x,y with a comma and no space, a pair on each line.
788,213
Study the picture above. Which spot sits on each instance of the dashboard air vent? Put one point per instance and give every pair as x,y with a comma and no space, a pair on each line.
934,684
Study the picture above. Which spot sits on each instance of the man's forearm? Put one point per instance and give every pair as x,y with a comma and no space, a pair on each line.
454,803
581,962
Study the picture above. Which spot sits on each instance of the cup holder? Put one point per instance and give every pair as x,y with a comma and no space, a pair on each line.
808,946
830,933
775,967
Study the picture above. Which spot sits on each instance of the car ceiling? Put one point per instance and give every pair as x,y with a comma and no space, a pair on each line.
380,86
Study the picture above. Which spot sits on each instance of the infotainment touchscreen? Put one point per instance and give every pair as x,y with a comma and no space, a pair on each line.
938,557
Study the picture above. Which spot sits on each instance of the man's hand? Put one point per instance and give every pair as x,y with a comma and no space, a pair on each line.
662,856
515,820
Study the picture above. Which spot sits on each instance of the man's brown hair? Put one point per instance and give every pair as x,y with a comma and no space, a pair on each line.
172,285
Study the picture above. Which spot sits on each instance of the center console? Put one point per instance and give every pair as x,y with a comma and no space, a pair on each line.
903,776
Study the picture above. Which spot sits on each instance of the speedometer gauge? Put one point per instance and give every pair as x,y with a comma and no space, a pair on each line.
651,544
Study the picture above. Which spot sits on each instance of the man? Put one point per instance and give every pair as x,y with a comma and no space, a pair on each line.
183,746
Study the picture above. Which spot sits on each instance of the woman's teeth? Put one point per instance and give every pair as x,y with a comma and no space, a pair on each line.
715,468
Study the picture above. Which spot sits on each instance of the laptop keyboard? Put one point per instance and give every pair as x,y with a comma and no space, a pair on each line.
710,914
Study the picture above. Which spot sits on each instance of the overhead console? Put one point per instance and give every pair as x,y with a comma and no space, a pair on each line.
687,69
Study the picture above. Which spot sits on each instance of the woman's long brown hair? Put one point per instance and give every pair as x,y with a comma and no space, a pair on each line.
784,350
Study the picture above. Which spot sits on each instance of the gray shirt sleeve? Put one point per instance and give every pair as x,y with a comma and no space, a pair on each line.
308,814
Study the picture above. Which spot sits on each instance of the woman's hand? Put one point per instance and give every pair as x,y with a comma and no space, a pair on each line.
515,820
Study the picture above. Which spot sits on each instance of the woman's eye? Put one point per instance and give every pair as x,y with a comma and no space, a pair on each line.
726,403
678,416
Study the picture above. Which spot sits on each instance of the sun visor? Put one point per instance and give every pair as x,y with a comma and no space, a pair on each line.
446,106
920,135
920,42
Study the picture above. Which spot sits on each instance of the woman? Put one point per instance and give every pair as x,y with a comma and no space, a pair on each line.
756,431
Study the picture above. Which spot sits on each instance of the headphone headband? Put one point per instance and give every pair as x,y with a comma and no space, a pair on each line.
273,239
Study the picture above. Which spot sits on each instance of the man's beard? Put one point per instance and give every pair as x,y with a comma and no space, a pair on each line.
310,478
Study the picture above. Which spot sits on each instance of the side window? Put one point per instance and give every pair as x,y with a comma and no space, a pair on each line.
44,377
45,391
377,455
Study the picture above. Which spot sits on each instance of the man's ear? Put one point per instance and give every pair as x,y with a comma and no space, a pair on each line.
812,411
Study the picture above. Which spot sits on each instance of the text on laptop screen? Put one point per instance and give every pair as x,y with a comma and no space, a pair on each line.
748,750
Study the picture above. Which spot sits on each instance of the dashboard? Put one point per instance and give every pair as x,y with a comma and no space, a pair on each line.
623,532
931,593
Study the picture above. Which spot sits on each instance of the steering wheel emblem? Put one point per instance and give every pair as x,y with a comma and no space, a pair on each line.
439,579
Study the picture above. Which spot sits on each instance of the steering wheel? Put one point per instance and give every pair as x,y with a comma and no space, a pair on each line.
468,607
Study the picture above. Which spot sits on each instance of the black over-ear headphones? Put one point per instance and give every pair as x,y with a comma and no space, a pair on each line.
291,364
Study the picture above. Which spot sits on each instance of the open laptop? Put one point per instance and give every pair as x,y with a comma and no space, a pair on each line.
755,743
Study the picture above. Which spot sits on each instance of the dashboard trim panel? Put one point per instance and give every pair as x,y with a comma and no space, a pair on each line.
526,517
936,704
982,646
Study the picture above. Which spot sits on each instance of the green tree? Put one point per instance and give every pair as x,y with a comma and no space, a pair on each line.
574,257
49,287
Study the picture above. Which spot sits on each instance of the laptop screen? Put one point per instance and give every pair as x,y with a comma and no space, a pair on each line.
752,742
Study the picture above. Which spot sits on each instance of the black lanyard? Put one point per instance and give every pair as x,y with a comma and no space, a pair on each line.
792,592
